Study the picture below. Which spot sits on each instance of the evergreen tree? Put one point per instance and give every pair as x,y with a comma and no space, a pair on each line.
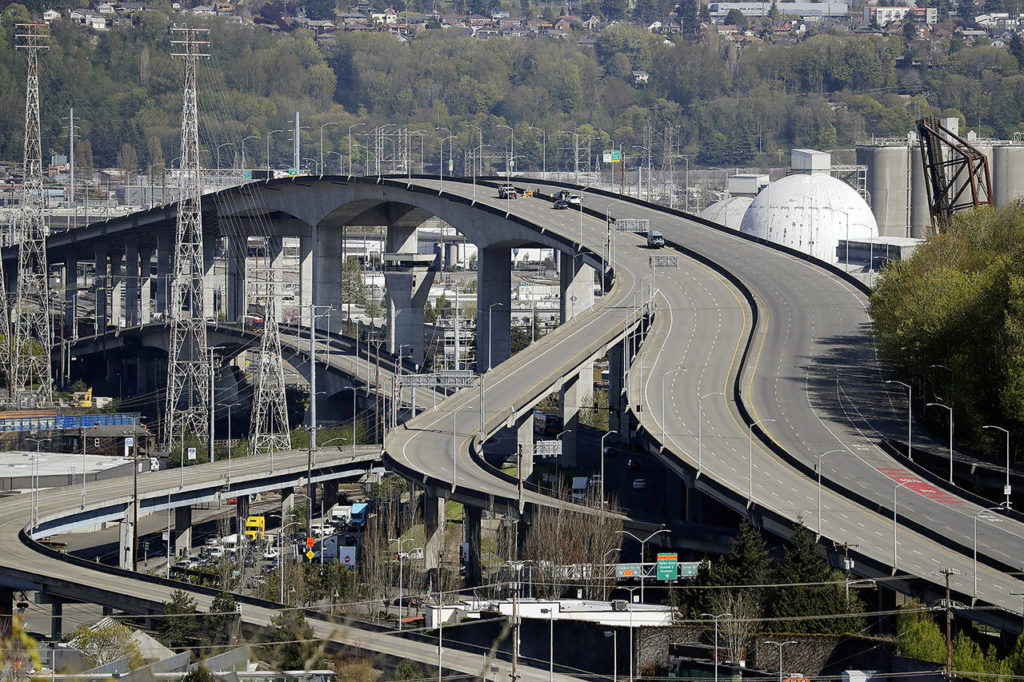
288,643
689,20
179,628
920,635
199,674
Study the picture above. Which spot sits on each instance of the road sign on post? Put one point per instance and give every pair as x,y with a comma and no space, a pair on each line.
547,448
191,454
668,566
612,156
688,569
310,542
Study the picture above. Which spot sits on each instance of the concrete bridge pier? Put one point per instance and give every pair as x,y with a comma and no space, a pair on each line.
433,527
473,518
56,618
408,276
70,292
145,285
524,440
617,405
576,280
124,553
100,284
241,512
325,272
209,249
182,530
115,288
330,494
164,258
576,286
234,304
131,282
577,395
494,301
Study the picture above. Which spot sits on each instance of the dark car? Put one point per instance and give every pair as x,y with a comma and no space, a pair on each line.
561,204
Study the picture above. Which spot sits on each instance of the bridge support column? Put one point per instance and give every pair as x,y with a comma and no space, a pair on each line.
234,305
164,257
327,273
576,281
131,282
56,618
577,394
494,300
145,285
433,528
473,517
306,277
617,390
524,439
99,284
116,288
6,611
330,493
70,292
209,249
182,530
241,513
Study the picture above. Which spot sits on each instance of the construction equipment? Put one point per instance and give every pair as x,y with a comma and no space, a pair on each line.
956,173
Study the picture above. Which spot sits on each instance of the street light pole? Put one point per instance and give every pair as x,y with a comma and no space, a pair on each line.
551,642
750,456
780,645
715,618
615,653
543,148
817,465
1006,487
700,423
950,435
910,403
672,371
643,554
269,135
354,125
400,541
606,434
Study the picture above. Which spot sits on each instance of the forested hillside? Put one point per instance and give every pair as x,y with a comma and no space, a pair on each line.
725,104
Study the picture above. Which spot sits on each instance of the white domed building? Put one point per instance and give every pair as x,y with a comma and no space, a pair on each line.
728,212
810,213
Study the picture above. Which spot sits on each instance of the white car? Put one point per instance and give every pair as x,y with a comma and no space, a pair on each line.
639,483
574,200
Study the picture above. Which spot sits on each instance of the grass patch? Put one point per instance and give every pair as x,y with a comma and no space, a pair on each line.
453,511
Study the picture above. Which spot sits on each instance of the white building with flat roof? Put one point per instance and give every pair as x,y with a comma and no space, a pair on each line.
829,8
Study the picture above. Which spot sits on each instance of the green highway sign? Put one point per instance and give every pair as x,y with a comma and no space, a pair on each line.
668,566
688,569
628,570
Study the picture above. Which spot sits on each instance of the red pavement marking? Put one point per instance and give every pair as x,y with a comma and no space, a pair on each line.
920,486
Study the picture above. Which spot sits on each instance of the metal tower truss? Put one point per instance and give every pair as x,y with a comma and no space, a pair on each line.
188,398
957,174
31,384
269,431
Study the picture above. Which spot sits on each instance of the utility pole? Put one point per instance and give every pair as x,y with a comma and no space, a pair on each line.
31,381
846,563
187,396
948,571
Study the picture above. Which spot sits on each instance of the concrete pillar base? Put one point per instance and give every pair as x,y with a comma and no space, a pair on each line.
56,618
182,531
473,517
433,528
494,300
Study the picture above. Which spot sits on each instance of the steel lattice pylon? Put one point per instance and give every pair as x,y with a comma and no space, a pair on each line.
269,431
188,398
31,378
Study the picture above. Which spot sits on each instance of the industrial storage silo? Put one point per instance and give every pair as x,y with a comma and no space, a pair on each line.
888,177
1007,173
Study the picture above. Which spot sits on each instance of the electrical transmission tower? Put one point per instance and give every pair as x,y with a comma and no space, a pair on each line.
269,431
30,321
188,396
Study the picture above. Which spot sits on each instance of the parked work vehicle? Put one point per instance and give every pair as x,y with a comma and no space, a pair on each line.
655,239
507,192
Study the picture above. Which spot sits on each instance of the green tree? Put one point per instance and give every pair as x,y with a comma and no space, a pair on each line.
919,635
288,643
179,627
199,674
736,18
409,670
221,628
106,643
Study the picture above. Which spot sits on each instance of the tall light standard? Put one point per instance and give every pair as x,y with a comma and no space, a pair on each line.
631,590
670,372
780,645
817,465
543,148
225,144
280,554
976,515
1006,487
269,135
895,556
700,423
551,642
950,435
910,403
715,618
480,146
750,456
952,381
605,435
400,542
615,652
451,152
510,160
329,123
34,476
250,137
354,125
643,554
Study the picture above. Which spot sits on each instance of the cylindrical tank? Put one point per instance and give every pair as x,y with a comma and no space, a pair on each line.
920,216
887,183
1007,173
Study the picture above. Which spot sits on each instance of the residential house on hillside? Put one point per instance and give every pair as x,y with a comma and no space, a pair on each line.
386,17
51,15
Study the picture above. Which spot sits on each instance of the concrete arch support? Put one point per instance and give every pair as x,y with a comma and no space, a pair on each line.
493,298
576,280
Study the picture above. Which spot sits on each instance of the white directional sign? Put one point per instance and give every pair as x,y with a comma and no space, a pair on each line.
665,261
191,454
448,379
632,224
547,448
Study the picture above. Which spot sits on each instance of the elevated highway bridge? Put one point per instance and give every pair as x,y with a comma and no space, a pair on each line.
748,370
